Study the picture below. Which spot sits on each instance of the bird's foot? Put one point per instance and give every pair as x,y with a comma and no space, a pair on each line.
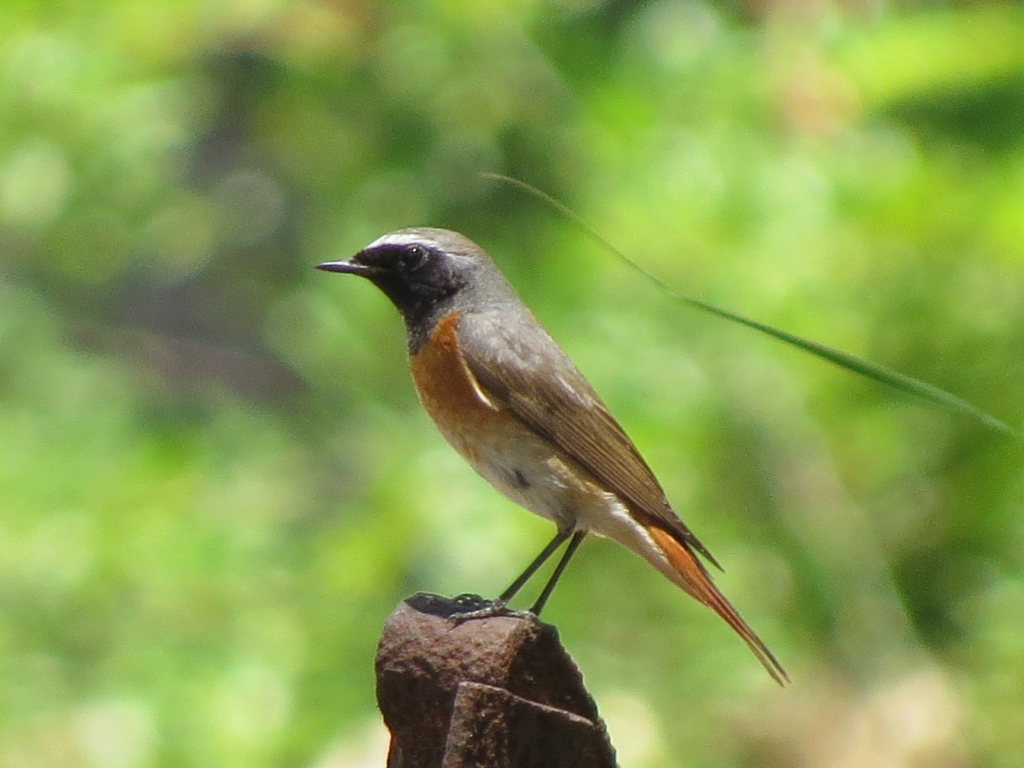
463,608
475,607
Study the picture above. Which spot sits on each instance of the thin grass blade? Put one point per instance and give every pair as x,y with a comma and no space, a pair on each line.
858,365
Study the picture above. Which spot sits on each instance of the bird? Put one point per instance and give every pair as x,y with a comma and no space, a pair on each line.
508,399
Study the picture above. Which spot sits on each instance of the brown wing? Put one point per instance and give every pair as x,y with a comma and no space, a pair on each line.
529,374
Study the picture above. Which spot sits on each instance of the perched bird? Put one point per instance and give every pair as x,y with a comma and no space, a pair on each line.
510,401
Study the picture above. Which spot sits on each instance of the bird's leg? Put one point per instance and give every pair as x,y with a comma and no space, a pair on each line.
497,607
577,539
531,569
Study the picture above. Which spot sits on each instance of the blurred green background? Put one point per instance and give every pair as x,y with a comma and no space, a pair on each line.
215,481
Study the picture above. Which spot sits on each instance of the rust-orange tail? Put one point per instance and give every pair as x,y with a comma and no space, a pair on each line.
698,584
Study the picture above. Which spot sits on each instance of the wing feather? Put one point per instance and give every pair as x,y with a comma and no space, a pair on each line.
530,375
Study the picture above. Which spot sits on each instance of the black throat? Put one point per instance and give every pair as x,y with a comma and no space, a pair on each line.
421,321
421,304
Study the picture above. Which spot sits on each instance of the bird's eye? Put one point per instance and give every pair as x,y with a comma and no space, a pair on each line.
414,257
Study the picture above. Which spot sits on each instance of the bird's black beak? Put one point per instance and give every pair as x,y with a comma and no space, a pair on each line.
351,267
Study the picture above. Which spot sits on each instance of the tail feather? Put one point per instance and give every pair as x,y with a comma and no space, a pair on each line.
697,583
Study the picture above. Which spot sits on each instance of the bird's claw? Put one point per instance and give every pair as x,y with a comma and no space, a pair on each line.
480,608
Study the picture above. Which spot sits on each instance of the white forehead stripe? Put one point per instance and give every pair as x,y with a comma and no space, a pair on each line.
402,238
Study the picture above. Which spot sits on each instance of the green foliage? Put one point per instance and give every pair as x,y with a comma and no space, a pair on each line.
215,482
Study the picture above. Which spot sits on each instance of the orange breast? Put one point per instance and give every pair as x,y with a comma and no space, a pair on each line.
451,396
